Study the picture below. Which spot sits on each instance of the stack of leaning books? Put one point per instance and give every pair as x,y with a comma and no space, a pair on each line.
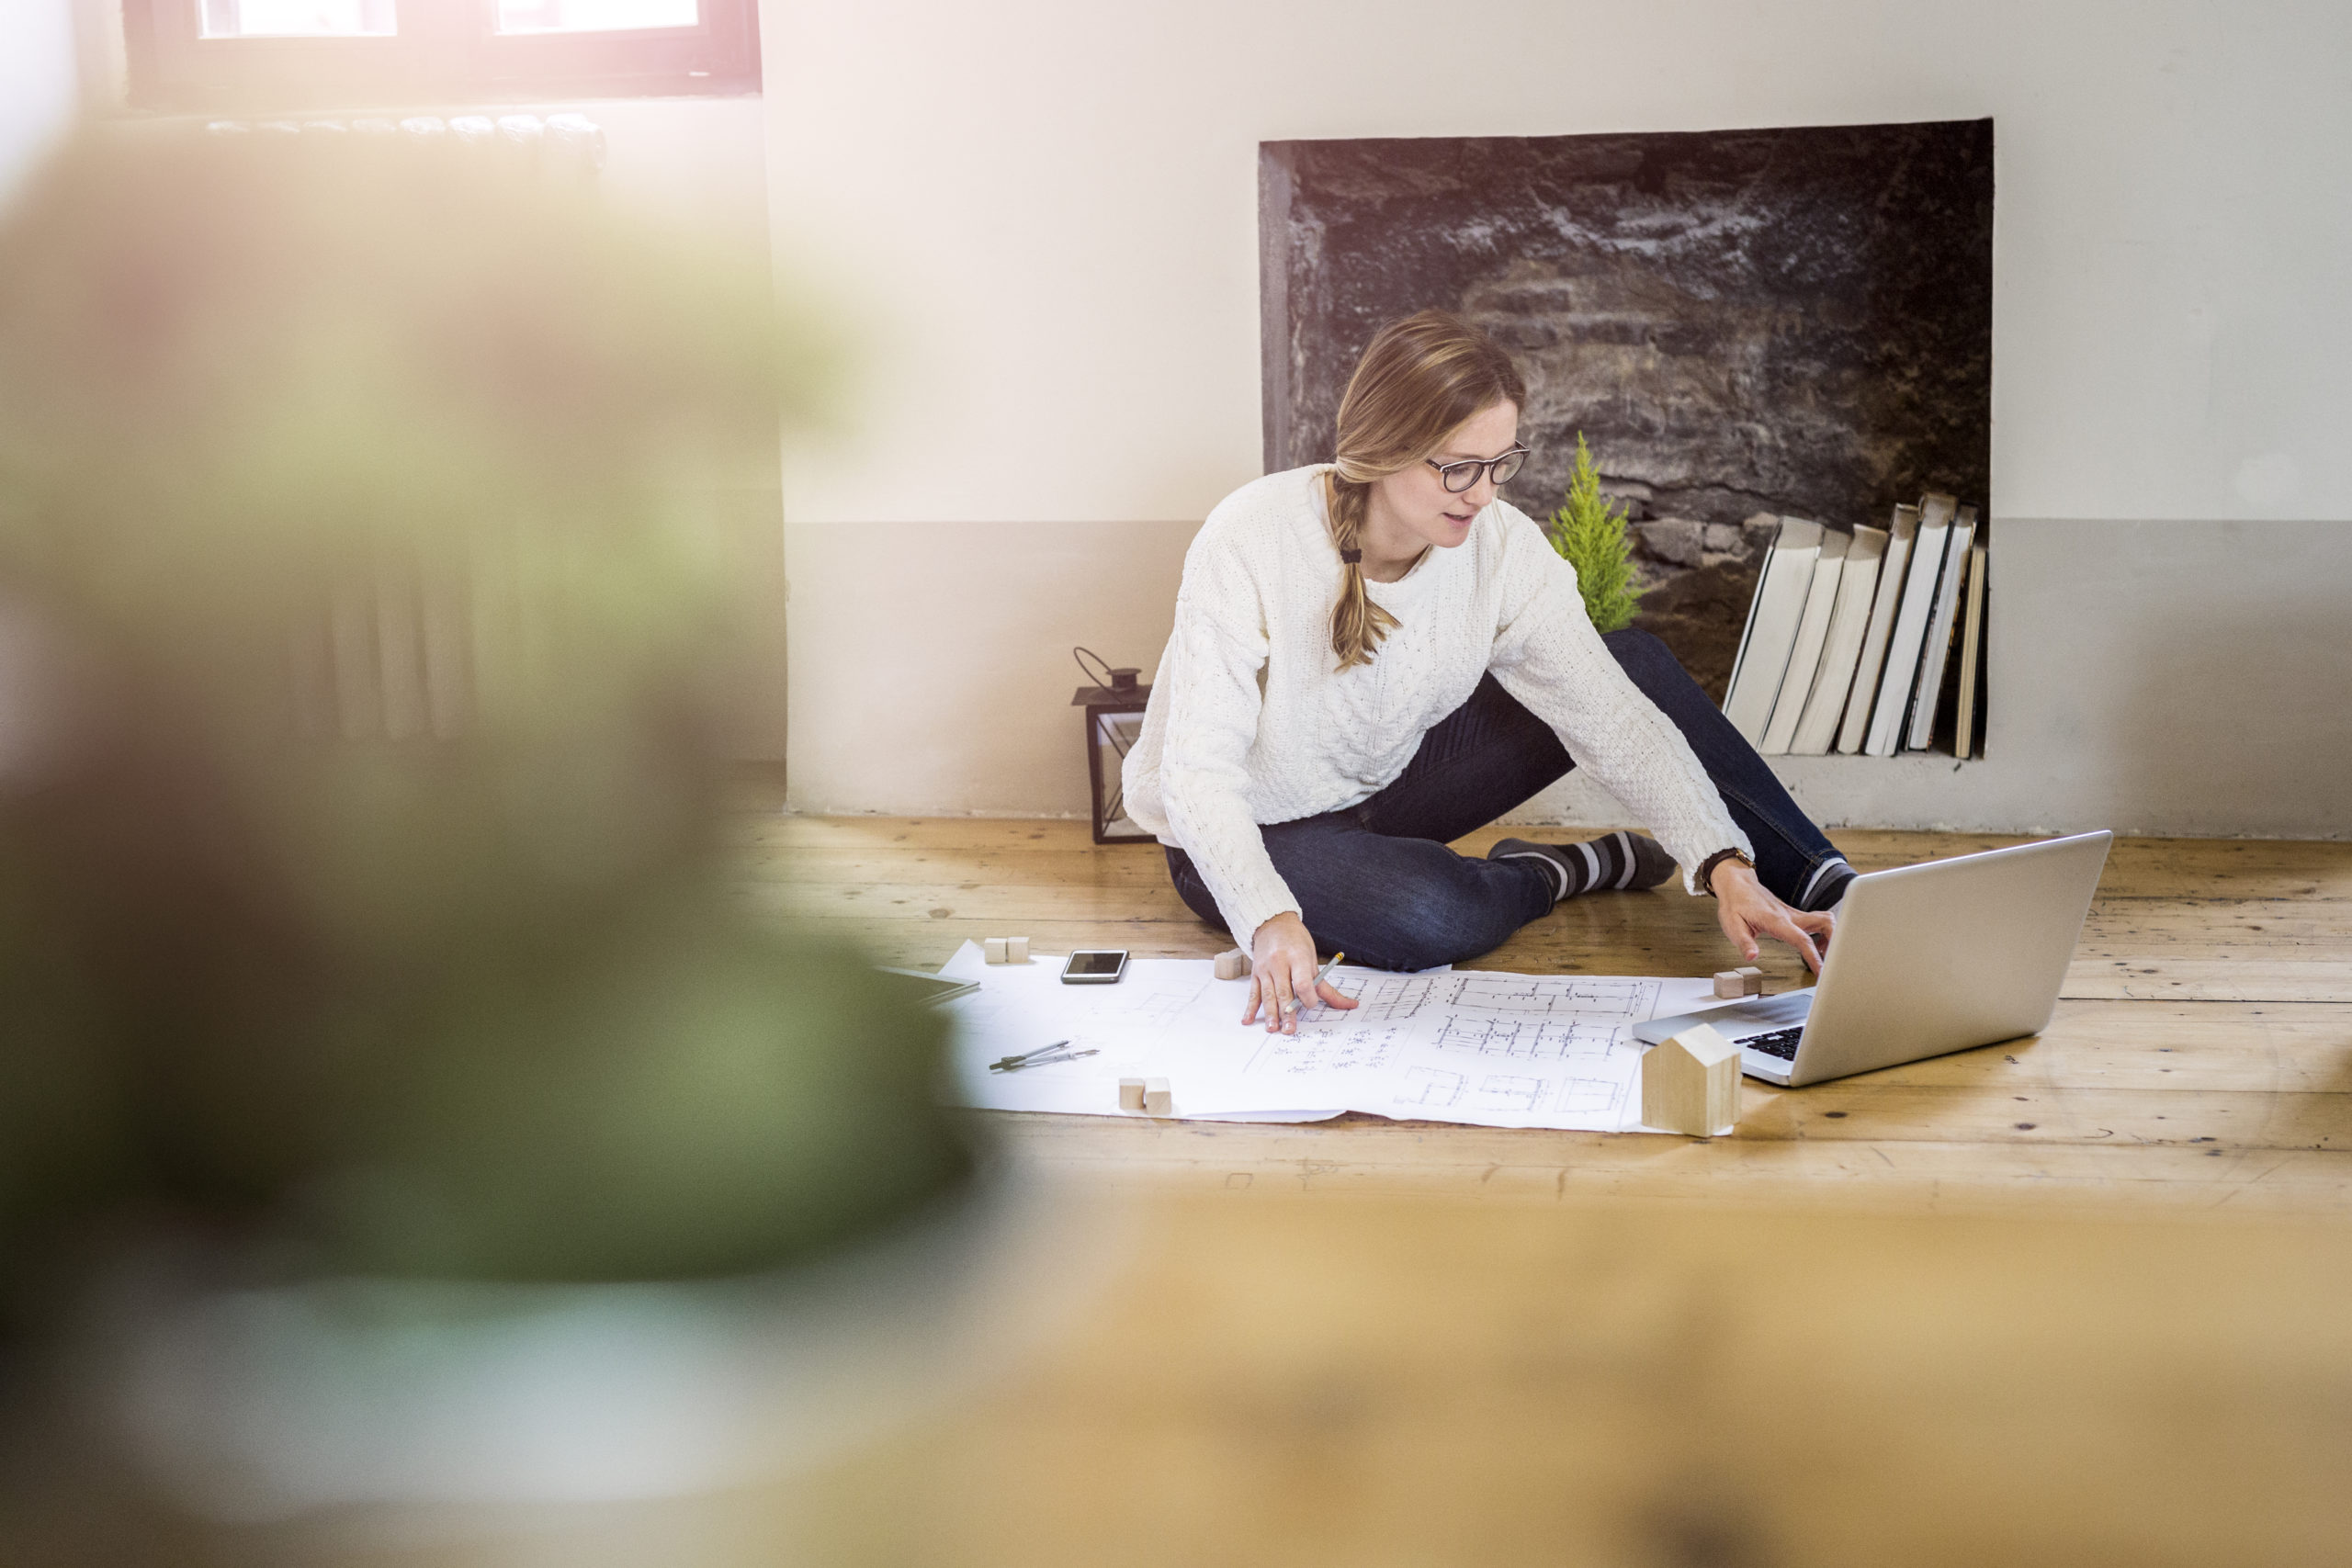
1864,641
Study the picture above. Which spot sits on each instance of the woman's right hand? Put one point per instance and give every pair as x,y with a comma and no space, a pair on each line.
1283,969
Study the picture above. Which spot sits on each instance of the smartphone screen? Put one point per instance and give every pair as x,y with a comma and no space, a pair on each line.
1098,965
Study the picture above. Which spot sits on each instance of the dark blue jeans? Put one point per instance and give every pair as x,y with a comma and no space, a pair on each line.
1377,881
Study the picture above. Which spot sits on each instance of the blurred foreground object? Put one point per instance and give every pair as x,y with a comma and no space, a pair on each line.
1327,1382
360,902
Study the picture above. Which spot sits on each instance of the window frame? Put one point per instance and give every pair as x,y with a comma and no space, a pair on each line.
448,51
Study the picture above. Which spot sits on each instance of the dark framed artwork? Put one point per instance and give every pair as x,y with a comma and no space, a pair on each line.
1741,323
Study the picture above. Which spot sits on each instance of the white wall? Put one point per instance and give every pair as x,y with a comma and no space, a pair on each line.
936,662
1047,212
2155,677
39,81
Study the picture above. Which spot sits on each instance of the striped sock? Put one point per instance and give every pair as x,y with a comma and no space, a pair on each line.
1615,860
1827,886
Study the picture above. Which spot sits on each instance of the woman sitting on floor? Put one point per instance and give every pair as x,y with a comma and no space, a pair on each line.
1376,655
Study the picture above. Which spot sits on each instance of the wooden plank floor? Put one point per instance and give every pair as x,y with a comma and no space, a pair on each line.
2201,1055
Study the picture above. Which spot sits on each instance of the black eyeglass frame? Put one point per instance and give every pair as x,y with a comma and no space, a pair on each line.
1447,472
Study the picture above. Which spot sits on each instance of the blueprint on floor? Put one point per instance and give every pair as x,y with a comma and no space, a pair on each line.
1448,1046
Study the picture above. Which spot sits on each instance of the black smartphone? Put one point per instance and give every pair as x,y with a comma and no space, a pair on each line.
1095,967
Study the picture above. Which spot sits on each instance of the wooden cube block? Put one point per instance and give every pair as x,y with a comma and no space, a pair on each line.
1730,985
1751,979
1016,950
1233,965
1690,1084
992,948
1157,1101
1131,1094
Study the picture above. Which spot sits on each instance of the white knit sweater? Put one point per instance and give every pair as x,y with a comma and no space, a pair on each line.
1250,722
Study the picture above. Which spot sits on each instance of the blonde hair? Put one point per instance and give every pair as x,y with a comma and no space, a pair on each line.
1420,378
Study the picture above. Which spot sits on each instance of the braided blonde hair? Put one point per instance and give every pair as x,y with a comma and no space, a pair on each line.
1420,379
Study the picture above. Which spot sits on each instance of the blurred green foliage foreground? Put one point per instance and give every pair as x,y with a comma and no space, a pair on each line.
360,903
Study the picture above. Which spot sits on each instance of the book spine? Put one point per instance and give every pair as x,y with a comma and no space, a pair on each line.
1892,710
1900,533
1772,627
1971,649
1748,632
1937,652
1857,590
1804,654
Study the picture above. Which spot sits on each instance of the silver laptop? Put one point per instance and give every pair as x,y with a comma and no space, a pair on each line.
1927,959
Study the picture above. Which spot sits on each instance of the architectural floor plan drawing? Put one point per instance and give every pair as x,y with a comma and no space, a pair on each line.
1387,998
1554,995
1153,1008
1428,1046
1490,1037
1328,1049
1505,1091
1494,1049
1429,1088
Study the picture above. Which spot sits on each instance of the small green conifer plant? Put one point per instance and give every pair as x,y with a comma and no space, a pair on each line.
1590,533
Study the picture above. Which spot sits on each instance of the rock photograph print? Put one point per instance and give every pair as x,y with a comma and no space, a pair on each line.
1743,325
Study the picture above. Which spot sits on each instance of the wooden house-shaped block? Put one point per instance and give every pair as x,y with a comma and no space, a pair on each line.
1690,1084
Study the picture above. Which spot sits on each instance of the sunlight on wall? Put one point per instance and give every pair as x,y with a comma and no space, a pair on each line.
36,82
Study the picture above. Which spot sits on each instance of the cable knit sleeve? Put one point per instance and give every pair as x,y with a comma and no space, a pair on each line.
1210,673
1548,656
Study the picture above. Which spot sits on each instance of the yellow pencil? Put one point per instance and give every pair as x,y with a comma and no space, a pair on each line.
1320,975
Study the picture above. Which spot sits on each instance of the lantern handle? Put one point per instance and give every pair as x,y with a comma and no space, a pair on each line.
1099,675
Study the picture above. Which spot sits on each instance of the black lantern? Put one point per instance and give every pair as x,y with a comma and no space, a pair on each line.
1113,720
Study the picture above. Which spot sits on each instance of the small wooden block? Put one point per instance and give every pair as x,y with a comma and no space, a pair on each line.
1157,1101
1131,1094
1233,965
994,948
1690,1084
1730,986
1016,950
1751,980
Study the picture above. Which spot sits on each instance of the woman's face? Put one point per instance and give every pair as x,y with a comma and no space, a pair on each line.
1416,503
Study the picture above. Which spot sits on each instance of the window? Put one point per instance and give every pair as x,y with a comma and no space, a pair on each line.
266,56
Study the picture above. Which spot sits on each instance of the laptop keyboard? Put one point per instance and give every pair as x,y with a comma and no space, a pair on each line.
1781,1043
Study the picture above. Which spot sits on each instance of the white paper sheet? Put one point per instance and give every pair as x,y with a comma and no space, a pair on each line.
1490,1049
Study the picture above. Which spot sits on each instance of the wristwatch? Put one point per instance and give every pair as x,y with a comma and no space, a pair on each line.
1707,868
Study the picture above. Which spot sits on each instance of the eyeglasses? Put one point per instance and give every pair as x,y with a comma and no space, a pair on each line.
1459,477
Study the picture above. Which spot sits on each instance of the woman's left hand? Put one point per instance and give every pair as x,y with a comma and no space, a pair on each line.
1747,911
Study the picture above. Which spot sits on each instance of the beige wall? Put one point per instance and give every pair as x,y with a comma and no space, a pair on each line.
1044,214
1051,207
2170,678
959,689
